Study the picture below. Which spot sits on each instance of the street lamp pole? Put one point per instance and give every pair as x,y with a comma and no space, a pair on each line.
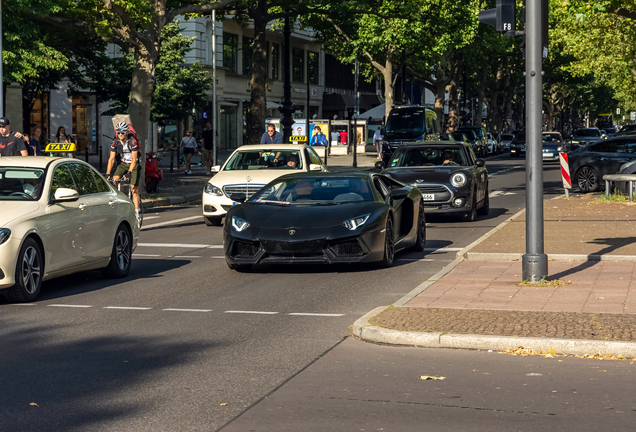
1,71
287,108
214,128
534,261
356,112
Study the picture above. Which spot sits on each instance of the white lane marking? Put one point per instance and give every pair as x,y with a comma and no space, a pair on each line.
145,255
70,305
187,310
494,194
180,245
151,217
223,256
22,304
127,308
172,222
316,314
442,249
416,259
184,256
252,312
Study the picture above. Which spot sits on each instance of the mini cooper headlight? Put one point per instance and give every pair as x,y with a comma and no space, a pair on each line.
239,224
5,233
458,179
356,222
213,190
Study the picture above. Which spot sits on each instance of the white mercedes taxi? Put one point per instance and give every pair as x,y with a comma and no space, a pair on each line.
60,216
250,168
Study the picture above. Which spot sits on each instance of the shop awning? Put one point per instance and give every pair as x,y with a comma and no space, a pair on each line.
376,113
272,105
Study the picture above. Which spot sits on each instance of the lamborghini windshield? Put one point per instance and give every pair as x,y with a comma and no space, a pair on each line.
302,189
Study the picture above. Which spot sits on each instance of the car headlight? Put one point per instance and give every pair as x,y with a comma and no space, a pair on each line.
560,149
5,233
213,190
356,222
625,165
458,179
575,142
239,224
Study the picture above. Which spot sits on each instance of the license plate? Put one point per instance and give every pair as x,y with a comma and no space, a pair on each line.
429,197
547,155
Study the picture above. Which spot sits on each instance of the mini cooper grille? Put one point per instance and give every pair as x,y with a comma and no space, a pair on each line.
247,188
424,188
347,248
244,249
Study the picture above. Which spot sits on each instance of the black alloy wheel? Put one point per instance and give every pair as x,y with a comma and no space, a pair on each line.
28,273
485,209
420,242
389,245
587,179
121,256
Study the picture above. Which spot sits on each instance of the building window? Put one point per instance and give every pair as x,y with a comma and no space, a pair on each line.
275,60
247,55
298,65
312,67
230,51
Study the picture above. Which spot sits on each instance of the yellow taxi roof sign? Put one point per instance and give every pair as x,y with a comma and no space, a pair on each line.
60,147
298,138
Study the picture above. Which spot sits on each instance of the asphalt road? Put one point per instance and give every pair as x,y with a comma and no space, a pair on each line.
184,343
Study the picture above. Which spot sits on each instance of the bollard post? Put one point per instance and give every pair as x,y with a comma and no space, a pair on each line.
178,158
171,160
86,155
100,158
327,150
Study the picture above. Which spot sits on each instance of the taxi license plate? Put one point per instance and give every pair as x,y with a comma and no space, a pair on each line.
547,154
429,197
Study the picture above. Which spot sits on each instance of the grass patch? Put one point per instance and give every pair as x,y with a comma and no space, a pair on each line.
154,195
545,283
617,196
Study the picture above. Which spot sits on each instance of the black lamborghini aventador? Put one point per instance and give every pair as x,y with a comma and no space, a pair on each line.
328,218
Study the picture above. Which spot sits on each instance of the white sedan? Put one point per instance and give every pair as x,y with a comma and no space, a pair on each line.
60,216
250,168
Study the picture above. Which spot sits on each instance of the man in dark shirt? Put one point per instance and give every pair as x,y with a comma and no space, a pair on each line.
271,136
208,146
11,143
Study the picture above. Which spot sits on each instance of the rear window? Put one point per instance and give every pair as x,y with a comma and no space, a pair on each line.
587,132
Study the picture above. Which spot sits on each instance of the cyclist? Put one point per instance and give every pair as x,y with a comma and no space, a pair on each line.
128,147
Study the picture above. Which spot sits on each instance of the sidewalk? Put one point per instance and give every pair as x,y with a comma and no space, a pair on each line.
479,301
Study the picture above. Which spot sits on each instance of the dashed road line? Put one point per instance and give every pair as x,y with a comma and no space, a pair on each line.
70,305
416,259
187,310
180,245
172,222
151,217
184,256
252,312
315,314
442,249
145,255
127,308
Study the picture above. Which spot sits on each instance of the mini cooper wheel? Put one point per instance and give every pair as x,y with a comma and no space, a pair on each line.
420,242
485,209
389,245
587,179
121,256
28,273
472,213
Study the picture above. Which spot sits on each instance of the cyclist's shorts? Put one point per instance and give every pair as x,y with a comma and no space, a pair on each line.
123,167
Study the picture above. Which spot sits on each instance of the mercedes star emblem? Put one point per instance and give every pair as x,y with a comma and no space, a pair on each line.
292,232
419,181
248,178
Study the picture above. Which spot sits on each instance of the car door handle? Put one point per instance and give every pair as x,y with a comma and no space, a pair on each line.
111,203
82,207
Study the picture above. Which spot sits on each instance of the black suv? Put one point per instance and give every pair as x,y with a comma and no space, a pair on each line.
480,144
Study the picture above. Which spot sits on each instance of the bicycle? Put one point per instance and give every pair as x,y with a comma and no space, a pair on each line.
119,181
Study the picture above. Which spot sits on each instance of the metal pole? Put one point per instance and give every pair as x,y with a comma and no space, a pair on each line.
307,110
1,71
100,158
214,125
356,111
287,108
534,261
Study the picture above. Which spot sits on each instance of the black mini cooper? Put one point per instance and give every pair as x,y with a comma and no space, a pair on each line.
450,177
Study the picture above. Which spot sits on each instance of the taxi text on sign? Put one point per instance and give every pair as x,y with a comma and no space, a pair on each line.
298,138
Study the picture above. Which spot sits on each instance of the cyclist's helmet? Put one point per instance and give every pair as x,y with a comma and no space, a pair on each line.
122,127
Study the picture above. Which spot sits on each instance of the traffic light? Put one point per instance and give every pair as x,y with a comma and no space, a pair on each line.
502,17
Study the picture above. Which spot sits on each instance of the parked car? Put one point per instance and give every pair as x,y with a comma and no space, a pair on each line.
626,168
480,137
627,130
460,137
325,218
492,146
518,145
589,164
585,136
552,145
248,169
506,139
451,178
473,141
610,132
60,216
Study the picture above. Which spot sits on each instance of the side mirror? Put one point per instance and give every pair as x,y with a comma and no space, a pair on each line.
65,195
315,167
216,168
238,197
380,165
399,194
480,163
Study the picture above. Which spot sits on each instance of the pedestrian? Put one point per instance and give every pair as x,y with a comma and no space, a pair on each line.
271,136
377,141
335,138
11,143
189,144
61,137
344,137
319,138
34,143
208,146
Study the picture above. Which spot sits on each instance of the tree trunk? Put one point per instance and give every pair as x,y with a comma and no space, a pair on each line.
387,75
258,98
453,102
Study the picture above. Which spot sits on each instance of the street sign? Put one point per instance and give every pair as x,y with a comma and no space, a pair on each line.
632,115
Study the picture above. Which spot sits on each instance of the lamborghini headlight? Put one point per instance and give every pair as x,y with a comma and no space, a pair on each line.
353,224
239,224
213,190
458,179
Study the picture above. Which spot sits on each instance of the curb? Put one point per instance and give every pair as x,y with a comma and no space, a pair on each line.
171,200
365,331
484,256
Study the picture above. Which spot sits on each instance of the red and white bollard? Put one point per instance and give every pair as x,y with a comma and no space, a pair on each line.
565,173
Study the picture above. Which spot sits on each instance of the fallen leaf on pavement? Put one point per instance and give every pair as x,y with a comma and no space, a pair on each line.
224,403
427,377
552,351
34,404
601,298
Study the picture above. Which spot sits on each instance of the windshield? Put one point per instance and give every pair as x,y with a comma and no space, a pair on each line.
587,133
413,121
284,159
429,156
315,190
506,137
520,137
21,184
547,137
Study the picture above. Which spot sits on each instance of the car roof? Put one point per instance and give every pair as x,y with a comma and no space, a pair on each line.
28,161
272,147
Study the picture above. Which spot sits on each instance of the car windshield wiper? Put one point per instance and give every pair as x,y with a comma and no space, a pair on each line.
325,203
